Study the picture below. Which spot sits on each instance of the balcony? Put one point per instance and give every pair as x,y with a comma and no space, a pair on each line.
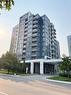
25,35
26,27
34,41
34,49
35,26
35,22
25,31
35,19
24,44
34,36
26,19
33,57
24,51
23,54
53,33
26,23
25,39
34,32
24,48
34,46
34,52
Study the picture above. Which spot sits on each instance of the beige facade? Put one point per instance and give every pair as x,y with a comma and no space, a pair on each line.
14,39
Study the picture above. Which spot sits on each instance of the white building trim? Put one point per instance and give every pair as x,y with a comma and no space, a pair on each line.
44,60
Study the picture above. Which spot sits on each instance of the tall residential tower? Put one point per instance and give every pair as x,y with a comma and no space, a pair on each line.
14,40
69,44
36,38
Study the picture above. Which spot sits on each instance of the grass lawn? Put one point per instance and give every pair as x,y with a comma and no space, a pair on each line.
3,71
60,78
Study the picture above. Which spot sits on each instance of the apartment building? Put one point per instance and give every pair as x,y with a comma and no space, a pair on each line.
14,39
69,44
34,40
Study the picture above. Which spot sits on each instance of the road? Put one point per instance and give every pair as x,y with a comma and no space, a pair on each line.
30,85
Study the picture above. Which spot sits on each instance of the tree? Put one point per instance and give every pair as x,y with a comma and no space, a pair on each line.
10,62
6,4
66,65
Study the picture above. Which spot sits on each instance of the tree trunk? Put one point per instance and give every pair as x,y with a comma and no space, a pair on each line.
8,71
68,74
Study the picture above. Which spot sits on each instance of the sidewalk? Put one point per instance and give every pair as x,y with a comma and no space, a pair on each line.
58,81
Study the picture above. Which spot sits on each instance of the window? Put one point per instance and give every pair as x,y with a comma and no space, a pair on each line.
26,19
24,44
25,35
25,31
24,48
34,46
26,23
34,36
34,32
33,51
34,41
25,39
33,57
26,27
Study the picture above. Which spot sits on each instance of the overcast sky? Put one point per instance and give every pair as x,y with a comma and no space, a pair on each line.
58,11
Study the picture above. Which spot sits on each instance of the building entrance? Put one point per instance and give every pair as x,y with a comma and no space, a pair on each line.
36,68
48,68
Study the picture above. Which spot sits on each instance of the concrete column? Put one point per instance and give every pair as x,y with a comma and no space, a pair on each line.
32,67
41,67
56,68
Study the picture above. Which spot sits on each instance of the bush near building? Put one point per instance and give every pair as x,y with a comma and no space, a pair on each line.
65,67
65,70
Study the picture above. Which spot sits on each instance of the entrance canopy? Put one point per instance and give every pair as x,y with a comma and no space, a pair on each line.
43,66
44,60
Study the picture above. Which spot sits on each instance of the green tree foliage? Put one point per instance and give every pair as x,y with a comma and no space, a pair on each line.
6,4
10,62
66,65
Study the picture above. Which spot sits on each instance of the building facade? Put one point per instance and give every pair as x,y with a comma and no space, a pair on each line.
14,40
69,44
43,66
34,39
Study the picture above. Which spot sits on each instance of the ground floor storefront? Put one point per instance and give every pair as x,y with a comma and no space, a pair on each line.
42,66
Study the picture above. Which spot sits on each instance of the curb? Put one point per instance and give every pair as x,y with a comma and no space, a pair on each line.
59,81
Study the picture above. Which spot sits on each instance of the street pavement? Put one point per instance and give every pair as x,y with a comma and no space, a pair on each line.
31,85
